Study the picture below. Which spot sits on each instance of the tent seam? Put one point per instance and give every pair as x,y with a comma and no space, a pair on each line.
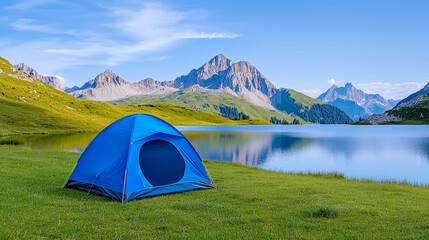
127,159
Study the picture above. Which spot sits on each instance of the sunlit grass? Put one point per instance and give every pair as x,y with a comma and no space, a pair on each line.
247,203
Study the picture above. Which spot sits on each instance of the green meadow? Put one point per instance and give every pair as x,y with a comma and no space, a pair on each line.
248,203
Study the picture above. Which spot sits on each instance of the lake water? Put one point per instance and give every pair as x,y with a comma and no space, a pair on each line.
371,152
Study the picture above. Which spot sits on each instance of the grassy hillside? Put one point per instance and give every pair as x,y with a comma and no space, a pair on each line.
416,114
248,203
35,107
303,99
309,109
209,102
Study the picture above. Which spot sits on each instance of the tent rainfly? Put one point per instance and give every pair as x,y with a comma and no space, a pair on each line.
139,156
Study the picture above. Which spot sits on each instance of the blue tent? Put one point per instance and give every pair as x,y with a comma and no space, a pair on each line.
139,156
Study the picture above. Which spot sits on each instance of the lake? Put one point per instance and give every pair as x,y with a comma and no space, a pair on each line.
390,152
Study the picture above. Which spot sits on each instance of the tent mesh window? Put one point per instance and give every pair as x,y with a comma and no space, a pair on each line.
161,163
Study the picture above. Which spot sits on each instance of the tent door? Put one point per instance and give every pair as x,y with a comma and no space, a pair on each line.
161,163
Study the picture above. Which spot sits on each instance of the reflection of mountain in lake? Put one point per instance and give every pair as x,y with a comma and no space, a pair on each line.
249,148
369,152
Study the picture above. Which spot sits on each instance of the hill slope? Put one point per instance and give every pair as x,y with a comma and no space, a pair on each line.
415,113
210,101
35,107
413,109
309,109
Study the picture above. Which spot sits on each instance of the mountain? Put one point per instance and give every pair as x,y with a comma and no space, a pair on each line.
242,78
108,86
413,109
220,73
309,109
351,108
25,72
36,107
365,104
413,98
197,76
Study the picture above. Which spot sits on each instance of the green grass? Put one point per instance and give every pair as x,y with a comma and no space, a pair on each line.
10,142
248,203
206,102
36,107
324,212
303,99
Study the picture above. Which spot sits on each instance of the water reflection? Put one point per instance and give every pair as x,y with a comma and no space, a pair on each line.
381,153
56,142
376,152
249,148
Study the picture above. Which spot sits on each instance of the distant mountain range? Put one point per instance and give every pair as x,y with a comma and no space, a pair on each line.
207,87
239,91
356,103
219,76
240,79
108,86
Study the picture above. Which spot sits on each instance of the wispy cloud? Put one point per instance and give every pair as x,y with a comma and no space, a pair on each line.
157,58
206,35
26,24
333,81
29,4
146,29
391,90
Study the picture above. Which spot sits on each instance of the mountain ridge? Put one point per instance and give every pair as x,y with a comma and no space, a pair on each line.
24,71
219,74
108,86
366,104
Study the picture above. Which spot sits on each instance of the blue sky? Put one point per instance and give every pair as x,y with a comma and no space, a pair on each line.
381,46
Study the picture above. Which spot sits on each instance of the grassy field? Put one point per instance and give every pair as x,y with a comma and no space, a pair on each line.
36,107
248,203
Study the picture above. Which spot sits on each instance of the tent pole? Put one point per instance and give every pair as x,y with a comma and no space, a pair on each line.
123,188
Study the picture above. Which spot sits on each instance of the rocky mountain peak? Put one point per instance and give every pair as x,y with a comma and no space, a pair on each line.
31,74
369,103
148,79
221,61
349,86
152,83
214,66
107,78
108,72
243,76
